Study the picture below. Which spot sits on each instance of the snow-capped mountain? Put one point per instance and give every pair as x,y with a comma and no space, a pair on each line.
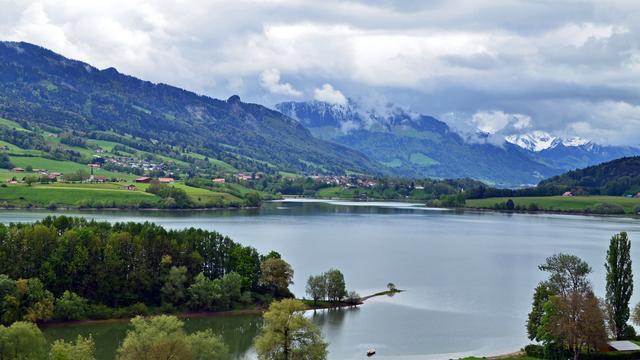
411,144
570,153
540,140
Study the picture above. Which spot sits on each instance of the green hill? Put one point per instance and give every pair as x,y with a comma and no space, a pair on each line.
48,94
617,177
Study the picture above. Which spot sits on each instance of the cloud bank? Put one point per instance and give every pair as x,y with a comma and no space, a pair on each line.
571,67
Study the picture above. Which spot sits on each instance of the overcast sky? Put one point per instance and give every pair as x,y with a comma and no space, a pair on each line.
567,67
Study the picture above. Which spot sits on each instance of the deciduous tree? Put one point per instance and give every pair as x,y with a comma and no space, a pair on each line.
317,287
82,349
277,275
288,335
336,287
22,341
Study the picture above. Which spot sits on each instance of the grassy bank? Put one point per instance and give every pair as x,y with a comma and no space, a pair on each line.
575,204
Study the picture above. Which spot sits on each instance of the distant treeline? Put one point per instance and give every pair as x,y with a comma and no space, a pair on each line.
385,187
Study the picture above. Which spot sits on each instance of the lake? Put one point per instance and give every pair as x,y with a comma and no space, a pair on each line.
468,276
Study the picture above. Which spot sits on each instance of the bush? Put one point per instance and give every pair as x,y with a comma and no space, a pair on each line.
509,205
99,312
629,332
606,209
70,306
534,351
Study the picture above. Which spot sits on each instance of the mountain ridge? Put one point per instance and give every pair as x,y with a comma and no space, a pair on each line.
39,85
414,144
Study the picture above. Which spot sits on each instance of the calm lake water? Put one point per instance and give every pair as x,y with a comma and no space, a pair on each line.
468,276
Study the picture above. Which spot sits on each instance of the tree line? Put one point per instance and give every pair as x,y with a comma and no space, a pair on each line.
72,268
568,319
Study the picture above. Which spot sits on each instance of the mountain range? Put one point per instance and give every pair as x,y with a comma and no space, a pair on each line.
418,145
45,90
42,88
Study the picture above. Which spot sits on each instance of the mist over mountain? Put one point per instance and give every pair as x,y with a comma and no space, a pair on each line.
419,145
416,145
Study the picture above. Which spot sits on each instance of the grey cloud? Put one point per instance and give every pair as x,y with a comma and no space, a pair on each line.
556,62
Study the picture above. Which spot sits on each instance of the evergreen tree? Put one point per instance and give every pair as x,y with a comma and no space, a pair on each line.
619,281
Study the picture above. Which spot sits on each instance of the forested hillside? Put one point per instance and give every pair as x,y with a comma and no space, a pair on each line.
617,177
41,88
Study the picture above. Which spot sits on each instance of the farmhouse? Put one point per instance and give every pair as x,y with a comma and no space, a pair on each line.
166,180
567,194
17,169
218,180
143,179
130,187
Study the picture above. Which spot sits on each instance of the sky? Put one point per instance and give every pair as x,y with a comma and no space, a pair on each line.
571,68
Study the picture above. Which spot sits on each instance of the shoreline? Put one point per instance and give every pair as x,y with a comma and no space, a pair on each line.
69,208
467,208
210,314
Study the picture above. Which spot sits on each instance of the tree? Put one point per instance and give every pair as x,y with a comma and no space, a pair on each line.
5,161
30,179
157,338
392,287
163,338
336,287
205,345
576,321
22,341
510,205
231,289
572,318
276,275
635,317
173,290
619,282
204,293
82,349
317,287
567,274
288,335
30,301
541,295
253,199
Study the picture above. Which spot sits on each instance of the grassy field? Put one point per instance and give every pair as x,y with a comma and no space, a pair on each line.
560,203
65,167
103,194
71,195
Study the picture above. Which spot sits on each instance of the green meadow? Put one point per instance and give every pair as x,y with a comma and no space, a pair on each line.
559,203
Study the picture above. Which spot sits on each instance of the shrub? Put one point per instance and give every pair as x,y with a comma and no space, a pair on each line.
99,312
70,306
534,351
606,208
